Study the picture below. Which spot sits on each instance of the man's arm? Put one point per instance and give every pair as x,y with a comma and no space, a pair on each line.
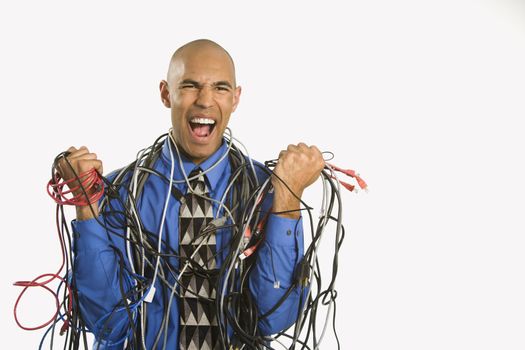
282,251
97,275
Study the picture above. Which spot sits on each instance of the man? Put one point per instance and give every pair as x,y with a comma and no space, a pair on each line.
201,92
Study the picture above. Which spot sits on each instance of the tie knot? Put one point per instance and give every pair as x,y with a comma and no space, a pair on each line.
197,181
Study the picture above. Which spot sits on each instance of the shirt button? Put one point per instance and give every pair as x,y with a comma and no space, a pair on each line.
289,232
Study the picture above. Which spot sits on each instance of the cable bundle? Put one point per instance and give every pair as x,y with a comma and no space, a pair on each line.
150,256
67,309
88,186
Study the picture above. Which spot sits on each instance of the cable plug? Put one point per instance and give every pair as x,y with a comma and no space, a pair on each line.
235,345
247,236
218,222
361,183
148,298
351,173
348,186
112,192
302,273
255,237
64,327
247,252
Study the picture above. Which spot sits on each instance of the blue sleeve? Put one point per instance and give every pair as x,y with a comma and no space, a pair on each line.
99,278
278,256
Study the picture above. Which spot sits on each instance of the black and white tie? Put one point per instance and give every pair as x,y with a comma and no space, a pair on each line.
198,321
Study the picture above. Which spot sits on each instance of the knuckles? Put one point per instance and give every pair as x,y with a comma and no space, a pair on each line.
302,154
79,158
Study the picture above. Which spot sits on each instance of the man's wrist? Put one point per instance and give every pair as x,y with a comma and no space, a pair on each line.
286,204
87,212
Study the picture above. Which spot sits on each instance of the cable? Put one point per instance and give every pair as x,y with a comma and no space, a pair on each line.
148,264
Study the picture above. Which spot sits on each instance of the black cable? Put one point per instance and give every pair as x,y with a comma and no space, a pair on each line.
237,313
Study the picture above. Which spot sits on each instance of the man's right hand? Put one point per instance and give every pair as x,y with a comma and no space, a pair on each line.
81,160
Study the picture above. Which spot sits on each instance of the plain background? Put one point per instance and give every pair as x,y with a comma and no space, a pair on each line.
424,98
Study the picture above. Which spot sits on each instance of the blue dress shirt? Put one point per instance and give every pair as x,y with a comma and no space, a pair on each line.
97,265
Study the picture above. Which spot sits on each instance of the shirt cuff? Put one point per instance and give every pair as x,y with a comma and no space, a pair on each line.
284,231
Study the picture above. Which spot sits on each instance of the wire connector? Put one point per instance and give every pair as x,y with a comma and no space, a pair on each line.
148,298
351,173
302,273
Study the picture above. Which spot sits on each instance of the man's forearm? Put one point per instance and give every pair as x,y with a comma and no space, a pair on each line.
87,212
285,204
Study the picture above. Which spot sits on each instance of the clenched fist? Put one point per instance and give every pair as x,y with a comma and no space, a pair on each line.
81,160
298,166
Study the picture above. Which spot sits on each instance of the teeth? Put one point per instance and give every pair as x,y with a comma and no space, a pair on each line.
203,121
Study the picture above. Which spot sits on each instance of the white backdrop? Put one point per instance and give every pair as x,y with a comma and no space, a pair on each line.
424,98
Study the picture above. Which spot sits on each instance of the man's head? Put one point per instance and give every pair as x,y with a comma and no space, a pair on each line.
201,92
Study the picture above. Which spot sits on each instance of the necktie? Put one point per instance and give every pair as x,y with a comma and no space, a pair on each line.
198,322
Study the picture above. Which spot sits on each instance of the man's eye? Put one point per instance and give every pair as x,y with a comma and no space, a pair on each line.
188,86
222,88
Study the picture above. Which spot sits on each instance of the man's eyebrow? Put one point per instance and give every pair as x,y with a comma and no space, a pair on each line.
190,81
223,83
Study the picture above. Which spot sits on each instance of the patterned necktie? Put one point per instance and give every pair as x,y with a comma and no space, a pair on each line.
198,322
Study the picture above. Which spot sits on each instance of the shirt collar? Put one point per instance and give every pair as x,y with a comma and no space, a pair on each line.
188,165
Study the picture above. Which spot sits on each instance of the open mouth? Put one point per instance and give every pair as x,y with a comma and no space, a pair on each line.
202,127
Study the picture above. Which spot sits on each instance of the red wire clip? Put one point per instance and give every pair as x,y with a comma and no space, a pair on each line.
349,172
248,234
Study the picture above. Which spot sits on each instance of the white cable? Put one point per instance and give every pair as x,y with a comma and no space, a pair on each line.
330,304
128,229
141,238
151,290
186,179
272,339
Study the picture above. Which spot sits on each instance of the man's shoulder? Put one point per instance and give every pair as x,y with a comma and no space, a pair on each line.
259,168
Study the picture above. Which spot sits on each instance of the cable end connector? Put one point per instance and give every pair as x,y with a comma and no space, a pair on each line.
218,222
148,298
351,173
362,184
302,273
235,345
247,252
64,327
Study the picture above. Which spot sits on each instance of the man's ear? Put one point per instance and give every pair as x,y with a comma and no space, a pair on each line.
236,97
165,93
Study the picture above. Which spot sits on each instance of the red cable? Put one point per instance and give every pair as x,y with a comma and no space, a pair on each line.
35,283
92,183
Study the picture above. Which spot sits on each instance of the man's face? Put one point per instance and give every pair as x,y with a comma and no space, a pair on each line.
201,93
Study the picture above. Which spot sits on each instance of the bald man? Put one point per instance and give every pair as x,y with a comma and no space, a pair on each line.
201,92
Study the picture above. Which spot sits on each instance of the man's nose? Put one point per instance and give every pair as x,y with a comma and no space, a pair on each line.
205,97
